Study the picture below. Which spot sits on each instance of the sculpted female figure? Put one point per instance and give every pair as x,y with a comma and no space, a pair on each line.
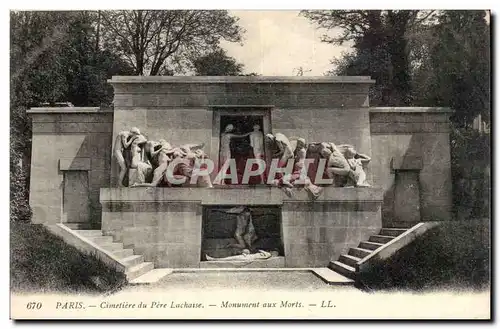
142,168
122,142
225,143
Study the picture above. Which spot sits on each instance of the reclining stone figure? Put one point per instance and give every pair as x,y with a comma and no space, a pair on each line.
357,162
246,256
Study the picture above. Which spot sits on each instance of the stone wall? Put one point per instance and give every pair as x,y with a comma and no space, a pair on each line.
70,149
406,140
165,225
185,109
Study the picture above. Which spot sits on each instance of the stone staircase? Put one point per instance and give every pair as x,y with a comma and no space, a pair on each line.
346,264
135,264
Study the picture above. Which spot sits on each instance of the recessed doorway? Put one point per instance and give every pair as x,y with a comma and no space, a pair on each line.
239,126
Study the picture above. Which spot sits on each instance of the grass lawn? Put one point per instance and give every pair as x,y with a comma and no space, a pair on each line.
42,262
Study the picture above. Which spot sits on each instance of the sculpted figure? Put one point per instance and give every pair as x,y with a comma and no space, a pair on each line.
292,180
246,256
225,142
159,155
190,152
356,161
143,169
123,141
282,147
257,142
245,231
336,162
136,150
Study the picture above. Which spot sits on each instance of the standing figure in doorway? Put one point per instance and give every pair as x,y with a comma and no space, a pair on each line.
257,144
225,145
123,142
225,142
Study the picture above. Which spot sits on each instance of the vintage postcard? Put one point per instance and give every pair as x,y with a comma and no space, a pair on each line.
221,164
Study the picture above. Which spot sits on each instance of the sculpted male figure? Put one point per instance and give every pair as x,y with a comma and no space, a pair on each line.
124,140
294,179
189,154
257,144
282,149
161,158
356,161
283,146
336,162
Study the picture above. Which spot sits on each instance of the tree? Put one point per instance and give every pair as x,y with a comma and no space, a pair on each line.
53,59
455,68
156,42
217,63
379,39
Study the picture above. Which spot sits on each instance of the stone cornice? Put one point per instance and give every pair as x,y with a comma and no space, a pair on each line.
240,79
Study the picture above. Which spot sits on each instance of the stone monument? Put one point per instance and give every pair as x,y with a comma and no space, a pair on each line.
314,165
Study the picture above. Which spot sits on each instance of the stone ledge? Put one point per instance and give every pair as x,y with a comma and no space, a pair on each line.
68,110
236,196
413,109
240,79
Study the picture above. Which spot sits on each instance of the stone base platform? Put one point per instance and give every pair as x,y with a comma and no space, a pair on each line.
165,224
273,262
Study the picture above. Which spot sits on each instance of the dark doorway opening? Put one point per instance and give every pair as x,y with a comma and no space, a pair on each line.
240,147
219,226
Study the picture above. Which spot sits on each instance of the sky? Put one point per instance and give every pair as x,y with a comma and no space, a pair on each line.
279,42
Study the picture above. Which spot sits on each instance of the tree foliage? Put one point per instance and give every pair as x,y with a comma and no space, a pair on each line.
217,63
379,39
53,59
429,58
455,66
159,42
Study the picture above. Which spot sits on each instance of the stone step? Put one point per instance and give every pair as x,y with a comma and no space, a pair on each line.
349,260
380,238
112,247
392,231
331,277
133,260
123,253
345,270
152,276
359,252
370,245
138,270
83,226
89,233
103,239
